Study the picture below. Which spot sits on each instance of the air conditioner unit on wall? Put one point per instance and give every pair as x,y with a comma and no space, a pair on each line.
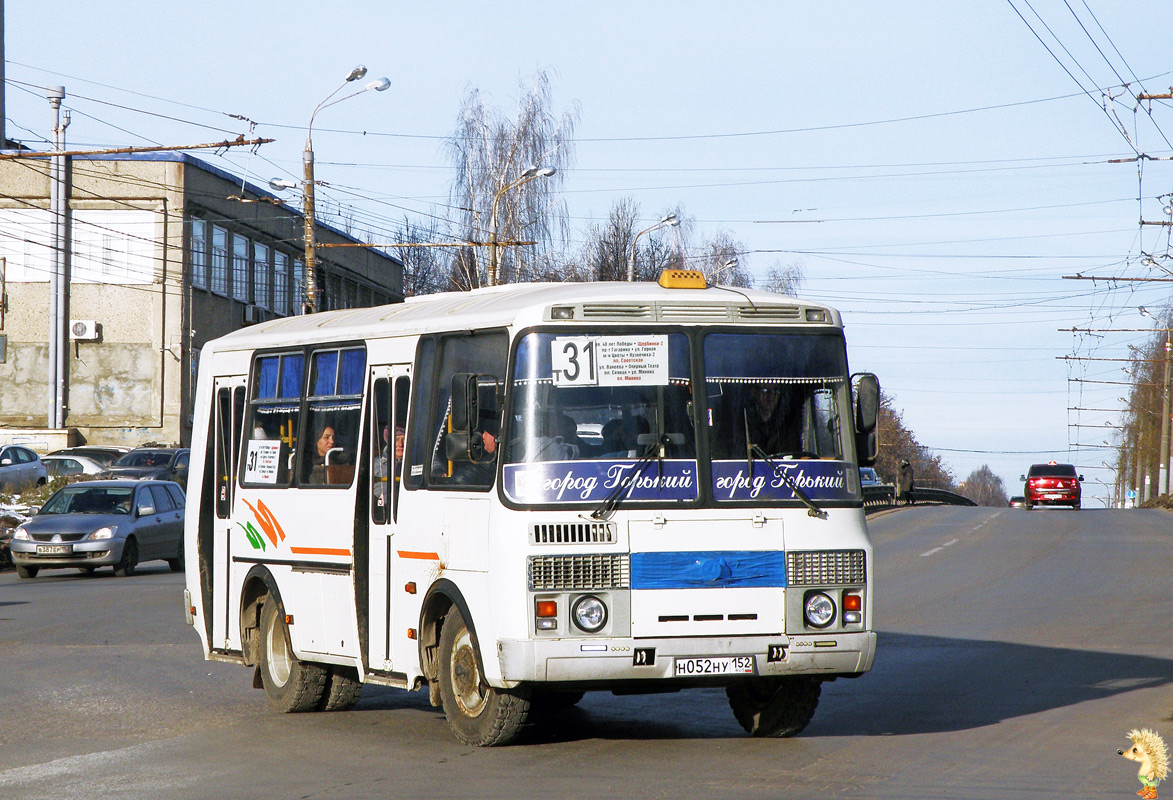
83,330
253,314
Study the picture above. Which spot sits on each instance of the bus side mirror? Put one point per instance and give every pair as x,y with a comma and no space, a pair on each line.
867,411
867,402
463,442
465,407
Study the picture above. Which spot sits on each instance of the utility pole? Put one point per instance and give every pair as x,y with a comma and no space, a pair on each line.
59,277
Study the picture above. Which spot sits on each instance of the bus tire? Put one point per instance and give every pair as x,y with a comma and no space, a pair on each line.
477,713
342,689
291,685
774,707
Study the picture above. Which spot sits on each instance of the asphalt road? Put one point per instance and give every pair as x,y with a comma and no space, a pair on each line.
1016,650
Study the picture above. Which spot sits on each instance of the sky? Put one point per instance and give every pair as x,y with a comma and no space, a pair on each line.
936,170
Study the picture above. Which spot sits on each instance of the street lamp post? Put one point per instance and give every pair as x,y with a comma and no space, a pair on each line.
310,301
527,176
669,221
1115,495
1163,466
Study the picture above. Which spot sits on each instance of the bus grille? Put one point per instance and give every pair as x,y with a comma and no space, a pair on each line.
696,312
572,533
758,313
617,311
555,573
822,567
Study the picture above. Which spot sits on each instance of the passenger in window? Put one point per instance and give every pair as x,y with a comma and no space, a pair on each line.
324,451
479,473
383,463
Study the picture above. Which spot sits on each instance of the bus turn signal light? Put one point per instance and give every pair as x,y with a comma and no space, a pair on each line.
852,602
546,608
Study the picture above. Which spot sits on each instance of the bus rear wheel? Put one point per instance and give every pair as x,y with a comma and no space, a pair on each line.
478,714
774,707
343,689
291,685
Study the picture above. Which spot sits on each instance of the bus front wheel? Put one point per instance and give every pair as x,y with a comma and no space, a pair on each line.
774,707
477,713
291,685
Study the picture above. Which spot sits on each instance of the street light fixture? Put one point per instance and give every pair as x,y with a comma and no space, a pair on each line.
527,176
310,301
1163,468
669,221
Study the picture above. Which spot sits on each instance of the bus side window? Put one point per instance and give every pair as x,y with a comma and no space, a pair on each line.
399,436
334,406
224,453
273,418
381,447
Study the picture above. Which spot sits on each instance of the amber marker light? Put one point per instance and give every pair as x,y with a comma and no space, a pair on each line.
546,608
852,608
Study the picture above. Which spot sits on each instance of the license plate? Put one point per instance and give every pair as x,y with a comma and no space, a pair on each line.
54,549
725,665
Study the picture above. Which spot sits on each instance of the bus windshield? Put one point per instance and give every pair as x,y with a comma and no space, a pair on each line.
595,417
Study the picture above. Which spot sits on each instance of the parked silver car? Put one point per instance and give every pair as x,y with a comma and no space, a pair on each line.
64,464
103,523
20,468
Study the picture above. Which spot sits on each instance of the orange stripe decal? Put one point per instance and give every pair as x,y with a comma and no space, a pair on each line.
320,551
412,554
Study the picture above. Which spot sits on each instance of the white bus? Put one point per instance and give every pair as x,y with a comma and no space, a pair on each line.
518,494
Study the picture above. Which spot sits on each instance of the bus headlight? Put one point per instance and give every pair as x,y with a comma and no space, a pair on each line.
819,610
589,614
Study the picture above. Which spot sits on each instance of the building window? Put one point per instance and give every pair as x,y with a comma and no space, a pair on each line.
298,285
219,260
240,265
281,302
261,273
199,254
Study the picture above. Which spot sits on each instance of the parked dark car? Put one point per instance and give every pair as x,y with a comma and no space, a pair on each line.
103,454
20,468
1052,484
103,524
151,464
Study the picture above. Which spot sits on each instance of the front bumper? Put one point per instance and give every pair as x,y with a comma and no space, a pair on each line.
603,661
102,553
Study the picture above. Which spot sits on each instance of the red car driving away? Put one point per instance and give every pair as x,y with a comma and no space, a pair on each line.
1052,484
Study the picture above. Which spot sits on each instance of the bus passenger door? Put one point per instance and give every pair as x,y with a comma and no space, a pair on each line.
390,389
226,427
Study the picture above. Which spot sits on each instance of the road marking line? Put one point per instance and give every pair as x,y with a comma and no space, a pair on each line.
930,552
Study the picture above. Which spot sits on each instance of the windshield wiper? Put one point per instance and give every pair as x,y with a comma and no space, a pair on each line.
751,448
612,500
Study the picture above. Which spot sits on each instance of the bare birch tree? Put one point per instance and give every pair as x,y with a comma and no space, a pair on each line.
425,269
784,280
491,152
721,261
